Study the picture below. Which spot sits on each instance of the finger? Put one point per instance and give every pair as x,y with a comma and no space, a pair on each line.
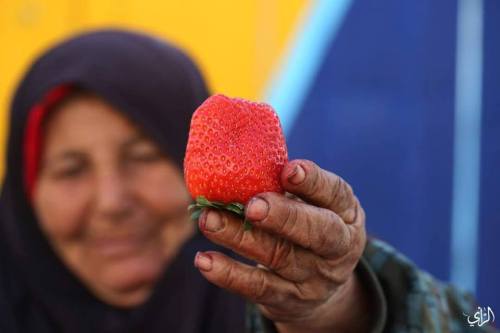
318,229
261,286
292,196
320,187
256,284
278,254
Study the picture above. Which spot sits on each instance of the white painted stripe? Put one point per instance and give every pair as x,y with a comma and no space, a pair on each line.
291,85
467,148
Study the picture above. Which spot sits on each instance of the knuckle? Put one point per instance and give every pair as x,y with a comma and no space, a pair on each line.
237,236
289,220
280,253
260,286
341,197
316,179
335,188
343,245
311,293
323,239
328,274
230,277
324,236
355,214
350,215
310,239
347,188
346,192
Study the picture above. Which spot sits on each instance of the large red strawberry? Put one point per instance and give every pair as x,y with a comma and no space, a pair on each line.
236,149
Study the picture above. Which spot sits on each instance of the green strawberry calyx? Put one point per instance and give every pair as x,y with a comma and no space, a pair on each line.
234,207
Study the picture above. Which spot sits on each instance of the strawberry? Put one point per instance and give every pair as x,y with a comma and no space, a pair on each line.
236,149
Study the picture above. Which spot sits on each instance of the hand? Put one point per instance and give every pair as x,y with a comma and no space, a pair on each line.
306,250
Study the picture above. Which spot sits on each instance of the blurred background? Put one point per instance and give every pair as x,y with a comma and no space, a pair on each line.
401,98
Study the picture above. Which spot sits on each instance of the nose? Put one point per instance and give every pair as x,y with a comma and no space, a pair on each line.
112,197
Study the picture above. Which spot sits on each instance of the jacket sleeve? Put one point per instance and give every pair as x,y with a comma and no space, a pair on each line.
406,299
416,301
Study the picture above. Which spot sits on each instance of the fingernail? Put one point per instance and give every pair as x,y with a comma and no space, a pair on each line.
297,176
203,261
213,221
257,209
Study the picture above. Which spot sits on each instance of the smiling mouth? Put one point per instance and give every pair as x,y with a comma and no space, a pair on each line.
131,244
118,247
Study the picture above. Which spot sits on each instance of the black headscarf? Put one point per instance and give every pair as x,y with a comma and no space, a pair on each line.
157,86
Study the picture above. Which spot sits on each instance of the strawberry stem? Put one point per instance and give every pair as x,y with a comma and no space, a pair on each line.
234,207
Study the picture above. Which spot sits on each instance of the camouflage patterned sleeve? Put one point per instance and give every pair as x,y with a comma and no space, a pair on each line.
406,299
417,302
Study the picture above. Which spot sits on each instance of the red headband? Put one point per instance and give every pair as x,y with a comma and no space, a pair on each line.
32,145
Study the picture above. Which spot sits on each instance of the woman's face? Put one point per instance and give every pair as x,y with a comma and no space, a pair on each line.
111,204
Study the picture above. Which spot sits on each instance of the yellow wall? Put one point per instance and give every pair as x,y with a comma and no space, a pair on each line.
236,42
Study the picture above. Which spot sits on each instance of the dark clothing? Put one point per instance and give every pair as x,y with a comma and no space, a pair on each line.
416,301
406,299
158,87
183,302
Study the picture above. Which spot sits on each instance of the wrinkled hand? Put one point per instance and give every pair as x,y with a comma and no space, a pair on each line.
306,250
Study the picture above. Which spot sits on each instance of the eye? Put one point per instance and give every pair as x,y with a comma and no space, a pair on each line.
69,173
68,170
143,152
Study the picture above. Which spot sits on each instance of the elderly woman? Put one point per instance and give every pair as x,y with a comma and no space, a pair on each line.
95,234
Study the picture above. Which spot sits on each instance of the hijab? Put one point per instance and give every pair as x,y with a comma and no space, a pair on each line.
158,87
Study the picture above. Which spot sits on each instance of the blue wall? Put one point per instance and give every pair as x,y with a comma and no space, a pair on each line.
489,255
380,112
